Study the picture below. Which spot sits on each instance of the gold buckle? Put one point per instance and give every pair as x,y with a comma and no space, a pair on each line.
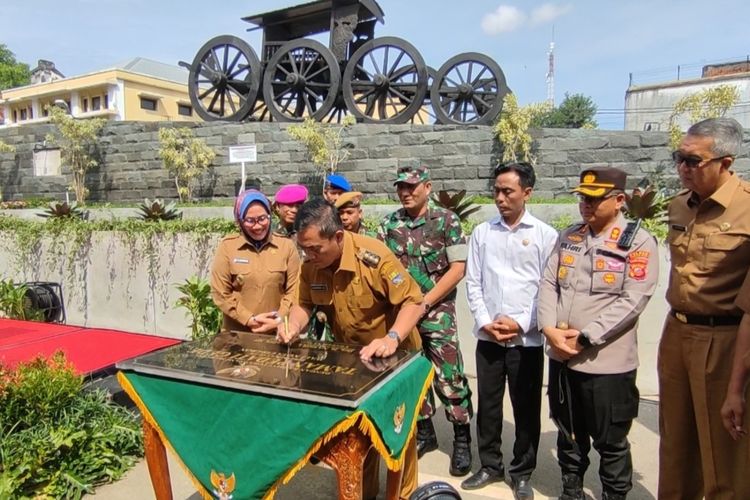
681,317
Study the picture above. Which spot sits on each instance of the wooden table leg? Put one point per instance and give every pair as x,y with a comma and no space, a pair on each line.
156,459
393,484
346,455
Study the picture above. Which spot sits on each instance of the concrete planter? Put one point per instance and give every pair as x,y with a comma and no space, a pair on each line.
115,280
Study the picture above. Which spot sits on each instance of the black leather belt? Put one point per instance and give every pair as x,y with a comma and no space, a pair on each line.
699,319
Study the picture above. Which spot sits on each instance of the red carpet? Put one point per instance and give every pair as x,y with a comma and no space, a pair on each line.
89,349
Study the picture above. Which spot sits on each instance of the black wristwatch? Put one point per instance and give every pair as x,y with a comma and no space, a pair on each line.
583,341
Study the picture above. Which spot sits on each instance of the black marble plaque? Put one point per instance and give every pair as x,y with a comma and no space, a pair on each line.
325,372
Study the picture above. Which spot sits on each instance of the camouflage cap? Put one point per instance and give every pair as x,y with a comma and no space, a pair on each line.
599,181
412,175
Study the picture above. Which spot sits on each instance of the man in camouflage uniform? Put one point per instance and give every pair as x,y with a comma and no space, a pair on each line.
429,242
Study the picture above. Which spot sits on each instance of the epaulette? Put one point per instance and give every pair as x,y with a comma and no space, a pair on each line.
580,227
230,237
371,259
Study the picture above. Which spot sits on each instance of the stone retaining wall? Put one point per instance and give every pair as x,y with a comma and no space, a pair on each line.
460,158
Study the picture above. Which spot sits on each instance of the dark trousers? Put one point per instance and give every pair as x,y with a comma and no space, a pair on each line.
522,367
603,408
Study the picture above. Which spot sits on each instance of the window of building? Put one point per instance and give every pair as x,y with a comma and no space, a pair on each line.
652,126
106,101
22,115
184,110
148,103
85,105
96,103
15,116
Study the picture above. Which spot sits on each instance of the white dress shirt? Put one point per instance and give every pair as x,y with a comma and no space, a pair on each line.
503,272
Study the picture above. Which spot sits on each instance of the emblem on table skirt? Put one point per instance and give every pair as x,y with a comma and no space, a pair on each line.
223,486
398,418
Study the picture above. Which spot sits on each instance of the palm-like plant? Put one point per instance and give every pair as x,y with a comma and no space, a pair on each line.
64,210
645,204
456,203
157,210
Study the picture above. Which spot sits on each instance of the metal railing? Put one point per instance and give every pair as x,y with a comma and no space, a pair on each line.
690,71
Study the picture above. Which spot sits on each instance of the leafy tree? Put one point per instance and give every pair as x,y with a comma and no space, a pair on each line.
324,143
12,72
575,111
512,129
708,103
77,141
185,157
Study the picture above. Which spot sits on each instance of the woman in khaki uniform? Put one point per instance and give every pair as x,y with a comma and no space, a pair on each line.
255,274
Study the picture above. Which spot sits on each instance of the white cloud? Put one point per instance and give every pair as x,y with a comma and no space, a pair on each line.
504,19
548,12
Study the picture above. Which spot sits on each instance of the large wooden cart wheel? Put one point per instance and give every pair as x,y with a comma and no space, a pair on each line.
224,79
425,115
468,89
385,81
301,79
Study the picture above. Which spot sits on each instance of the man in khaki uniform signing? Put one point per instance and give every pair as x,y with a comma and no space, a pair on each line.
367,295
709,244
597,282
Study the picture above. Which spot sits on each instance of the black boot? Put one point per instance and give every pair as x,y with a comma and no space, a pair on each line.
426,438
461,458
608,495
572,487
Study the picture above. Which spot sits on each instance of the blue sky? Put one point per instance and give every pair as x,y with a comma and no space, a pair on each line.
597,43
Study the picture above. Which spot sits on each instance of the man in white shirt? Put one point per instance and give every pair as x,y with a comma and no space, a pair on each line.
507,256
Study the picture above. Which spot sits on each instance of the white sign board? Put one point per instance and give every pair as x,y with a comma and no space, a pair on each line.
242,154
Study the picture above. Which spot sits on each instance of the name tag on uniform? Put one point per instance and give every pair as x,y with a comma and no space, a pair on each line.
320,287
678,227
238,260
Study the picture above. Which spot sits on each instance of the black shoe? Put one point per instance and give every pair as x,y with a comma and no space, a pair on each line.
461,456
572,487
608,495
522,489
482,478
426,438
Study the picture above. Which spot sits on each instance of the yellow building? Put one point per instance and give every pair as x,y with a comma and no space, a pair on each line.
139,89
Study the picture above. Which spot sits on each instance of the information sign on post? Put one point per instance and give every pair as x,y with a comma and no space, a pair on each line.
242,154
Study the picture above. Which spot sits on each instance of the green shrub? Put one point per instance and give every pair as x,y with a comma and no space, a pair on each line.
561,222
458,203
206,317
56,439
157,210
14,304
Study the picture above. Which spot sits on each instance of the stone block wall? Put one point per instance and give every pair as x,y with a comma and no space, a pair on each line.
460,158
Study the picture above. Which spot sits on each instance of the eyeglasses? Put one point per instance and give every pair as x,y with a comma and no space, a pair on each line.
251,221
694,161
592,200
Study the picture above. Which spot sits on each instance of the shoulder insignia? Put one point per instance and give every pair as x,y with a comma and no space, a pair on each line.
370,259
